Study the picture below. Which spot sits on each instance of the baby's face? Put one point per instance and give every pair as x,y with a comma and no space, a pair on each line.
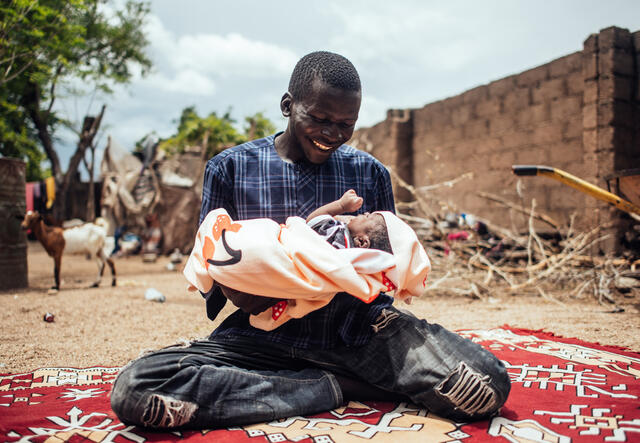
364,223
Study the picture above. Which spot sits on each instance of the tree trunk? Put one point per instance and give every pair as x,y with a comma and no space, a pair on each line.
90,128
40,119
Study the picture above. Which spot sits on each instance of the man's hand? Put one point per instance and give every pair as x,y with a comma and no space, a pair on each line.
350,201
251,304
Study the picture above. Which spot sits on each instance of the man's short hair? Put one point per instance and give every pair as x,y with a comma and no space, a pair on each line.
333,69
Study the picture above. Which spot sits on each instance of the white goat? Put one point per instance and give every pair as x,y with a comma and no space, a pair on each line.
88,238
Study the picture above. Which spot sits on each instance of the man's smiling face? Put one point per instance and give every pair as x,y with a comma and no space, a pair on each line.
323,120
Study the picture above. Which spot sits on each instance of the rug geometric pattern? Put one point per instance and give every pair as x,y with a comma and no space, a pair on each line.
563,390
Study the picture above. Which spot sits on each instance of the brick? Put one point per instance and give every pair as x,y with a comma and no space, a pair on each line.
591,91
476,94
516,100
461,114
590,45
616,61
453,102
615,88
433,108
606,164
568,152
565,196
421,126
453,133
549,90
614,37
575,83
533,76
563,66
441,119
446,155
547,134
590,66
566,107
516,139
466,147
635,38
588,169
573,128
487,145
617,113
502,160
488,108
500,124
476,128
533,115
500,88
590,116
606,139
430,139
531,156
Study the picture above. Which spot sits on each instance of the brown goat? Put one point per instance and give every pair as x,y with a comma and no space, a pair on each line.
85,239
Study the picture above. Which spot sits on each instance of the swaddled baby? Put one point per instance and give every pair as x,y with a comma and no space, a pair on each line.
295,264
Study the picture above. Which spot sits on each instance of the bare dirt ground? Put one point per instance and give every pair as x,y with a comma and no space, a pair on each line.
112,325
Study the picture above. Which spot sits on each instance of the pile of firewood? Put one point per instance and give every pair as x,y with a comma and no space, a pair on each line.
476,258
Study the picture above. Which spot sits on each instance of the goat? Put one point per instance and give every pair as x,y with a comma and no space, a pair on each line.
88,238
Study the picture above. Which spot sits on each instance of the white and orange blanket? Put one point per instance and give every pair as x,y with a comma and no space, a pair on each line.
294,263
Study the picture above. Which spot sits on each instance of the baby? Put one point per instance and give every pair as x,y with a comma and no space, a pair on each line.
294,269
341,231
347,231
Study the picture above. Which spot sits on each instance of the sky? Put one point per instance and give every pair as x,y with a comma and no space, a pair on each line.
238,55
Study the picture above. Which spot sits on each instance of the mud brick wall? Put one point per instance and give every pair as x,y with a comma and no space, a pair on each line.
579,113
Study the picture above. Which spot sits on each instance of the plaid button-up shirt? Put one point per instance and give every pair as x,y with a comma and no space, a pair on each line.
252,181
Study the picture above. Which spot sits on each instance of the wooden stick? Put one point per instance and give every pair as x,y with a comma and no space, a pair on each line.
541,217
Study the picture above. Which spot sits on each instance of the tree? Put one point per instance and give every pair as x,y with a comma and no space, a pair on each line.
214,132
49,44
258,126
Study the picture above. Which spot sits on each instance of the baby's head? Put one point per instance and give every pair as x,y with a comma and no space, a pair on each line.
369,231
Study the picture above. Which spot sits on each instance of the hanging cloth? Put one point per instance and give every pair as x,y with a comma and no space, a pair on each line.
51,191
28,194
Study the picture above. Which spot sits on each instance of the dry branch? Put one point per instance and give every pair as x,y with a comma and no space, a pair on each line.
541,217
525,262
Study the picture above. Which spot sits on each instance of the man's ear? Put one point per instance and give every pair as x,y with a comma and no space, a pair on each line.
361,241
285,104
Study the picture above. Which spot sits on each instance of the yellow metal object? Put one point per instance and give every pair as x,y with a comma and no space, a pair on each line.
579,184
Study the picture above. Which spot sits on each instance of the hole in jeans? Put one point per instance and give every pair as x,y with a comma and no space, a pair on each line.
166,412
470,391
384,319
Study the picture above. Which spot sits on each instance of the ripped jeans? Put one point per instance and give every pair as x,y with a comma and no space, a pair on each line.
230,381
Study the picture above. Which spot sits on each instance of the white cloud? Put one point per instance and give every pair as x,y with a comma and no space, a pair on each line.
418,34
208,54
232,55
186,81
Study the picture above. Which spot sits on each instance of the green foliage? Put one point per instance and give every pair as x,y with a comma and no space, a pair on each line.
258,126
45,44
216,132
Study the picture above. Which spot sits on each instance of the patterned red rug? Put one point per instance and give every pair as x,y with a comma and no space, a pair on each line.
563,390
